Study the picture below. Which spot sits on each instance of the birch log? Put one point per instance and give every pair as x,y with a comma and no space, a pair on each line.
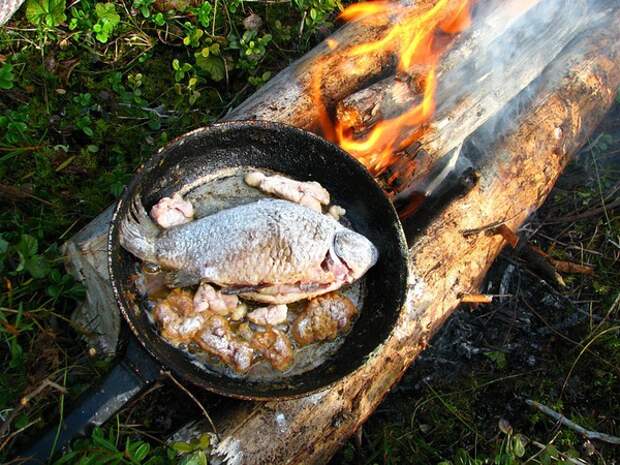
8,9
524,162
395,94
506,48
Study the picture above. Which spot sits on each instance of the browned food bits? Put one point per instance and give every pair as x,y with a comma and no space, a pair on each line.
275,347
272,315
175,315
182,301
218,339
324,318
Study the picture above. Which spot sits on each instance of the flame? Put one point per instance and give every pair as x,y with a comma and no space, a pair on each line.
413,42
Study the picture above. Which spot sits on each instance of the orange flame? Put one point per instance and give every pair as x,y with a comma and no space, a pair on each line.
412,41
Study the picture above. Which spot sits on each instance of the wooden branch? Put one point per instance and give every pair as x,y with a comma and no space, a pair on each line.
395,94
595,435
573,95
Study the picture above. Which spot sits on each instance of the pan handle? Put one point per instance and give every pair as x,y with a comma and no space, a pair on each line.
136,370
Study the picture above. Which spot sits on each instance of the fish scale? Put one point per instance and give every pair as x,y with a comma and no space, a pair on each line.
259,245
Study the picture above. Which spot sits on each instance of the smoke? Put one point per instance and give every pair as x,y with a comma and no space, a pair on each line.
499,68
508,46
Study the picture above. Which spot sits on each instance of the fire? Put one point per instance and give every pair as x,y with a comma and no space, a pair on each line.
413,42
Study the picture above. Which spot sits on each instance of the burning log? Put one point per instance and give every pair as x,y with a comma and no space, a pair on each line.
573,96
507,47
393,95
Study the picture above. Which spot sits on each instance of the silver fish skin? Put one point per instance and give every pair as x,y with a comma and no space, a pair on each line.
271,251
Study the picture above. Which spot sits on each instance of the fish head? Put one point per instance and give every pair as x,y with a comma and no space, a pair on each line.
356,252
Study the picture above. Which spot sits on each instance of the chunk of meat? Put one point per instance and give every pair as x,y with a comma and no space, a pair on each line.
176,318
218,339
172,211
181,301
310,194
336,212
275,347
324,318
207,298
272,315
239,312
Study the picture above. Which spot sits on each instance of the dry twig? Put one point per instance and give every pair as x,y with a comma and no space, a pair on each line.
572,425
196,401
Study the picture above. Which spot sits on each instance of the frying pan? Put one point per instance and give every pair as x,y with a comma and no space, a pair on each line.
285,149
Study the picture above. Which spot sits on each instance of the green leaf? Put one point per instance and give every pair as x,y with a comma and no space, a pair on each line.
37,266
182,447
159,19
46,12
108,20
4,245
142,451
204,441
107,11
197,458
21,421
499,358
137,451
517,446
6,76
28,245
212,65
204,14
100,440
17,354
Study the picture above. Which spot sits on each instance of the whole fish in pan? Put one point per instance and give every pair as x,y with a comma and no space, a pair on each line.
271,251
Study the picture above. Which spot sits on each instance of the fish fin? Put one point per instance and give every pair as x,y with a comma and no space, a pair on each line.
138,233
180,278
243,289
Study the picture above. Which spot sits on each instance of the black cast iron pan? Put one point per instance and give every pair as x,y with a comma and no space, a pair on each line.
276,147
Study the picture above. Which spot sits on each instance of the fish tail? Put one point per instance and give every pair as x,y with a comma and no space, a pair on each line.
138,233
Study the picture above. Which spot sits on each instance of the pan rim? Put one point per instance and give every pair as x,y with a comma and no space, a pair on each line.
232,125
